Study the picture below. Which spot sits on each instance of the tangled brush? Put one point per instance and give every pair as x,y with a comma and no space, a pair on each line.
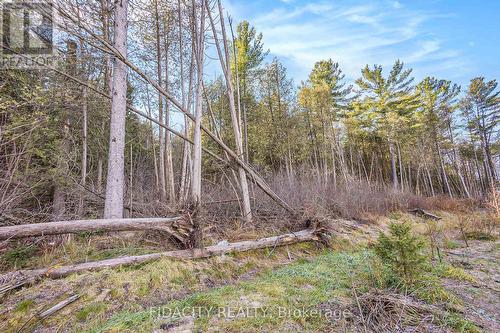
385,311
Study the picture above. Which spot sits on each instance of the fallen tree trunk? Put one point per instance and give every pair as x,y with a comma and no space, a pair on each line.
425,214
77,226
29,276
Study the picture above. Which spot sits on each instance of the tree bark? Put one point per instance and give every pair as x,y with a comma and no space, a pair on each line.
83,179
77,226
169,166
113,205
153,141
199,49
161,157
59,272
247,212
392,154
85,95
446,183
107,84
67,98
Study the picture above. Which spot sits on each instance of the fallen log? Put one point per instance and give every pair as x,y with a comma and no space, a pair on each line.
425,214
214,250
77,226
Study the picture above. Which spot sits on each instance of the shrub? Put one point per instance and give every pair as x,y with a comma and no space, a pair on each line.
18,256
401,251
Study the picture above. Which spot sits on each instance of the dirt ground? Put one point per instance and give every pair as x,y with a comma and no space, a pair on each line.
482,297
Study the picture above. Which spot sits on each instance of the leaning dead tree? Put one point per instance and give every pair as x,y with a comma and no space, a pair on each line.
226,69
244,169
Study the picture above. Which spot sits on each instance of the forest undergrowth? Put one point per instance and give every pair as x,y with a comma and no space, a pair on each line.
353,274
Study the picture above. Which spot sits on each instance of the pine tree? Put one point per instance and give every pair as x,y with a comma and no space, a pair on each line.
391,102
248,55
438,100
401,251
481,107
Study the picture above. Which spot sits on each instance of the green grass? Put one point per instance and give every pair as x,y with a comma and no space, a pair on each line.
460,324
303,285
25,305
92,309
451,244
446,270
321,277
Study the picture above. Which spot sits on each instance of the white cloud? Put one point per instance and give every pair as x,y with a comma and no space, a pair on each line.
377,32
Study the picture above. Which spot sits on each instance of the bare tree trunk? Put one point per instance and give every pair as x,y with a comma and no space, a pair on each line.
161,157
332,152
392,154
186,154
113,205
199,49
77,226
456,163
58,204
429,178
409,180
169,167
488,161
105,8
59,197
242,120
401,169
443,171
83,180
131,182
186,157
58,272
417,184
153,140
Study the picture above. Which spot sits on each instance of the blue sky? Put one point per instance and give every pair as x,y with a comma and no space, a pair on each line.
454,40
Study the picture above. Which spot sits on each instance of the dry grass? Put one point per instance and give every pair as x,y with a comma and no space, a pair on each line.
355,199
139,287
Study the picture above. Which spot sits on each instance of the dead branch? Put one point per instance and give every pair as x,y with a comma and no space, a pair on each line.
58,306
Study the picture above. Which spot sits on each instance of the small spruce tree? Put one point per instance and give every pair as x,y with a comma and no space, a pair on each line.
401,251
